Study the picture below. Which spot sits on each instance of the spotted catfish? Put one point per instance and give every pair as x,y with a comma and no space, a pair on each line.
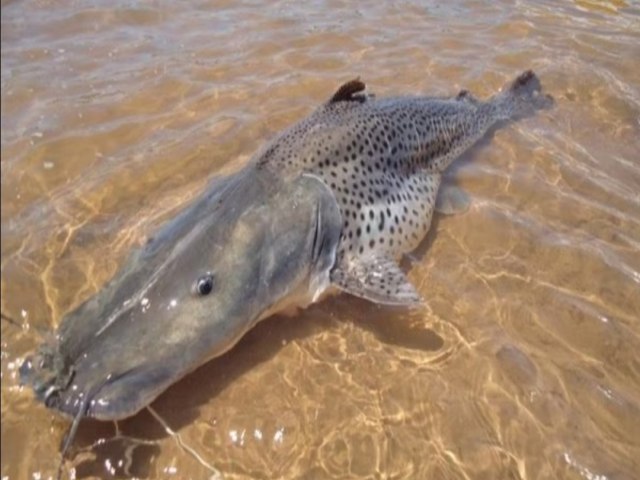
335,200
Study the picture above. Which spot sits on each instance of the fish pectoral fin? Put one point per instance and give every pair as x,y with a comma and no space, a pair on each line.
452,200
378,279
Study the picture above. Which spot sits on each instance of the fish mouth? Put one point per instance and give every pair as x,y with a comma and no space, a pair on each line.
107,380
48,372
77,391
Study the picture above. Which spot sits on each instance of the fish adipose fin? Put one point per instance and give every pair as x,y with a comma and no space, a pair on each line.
377,279
452,200
465,96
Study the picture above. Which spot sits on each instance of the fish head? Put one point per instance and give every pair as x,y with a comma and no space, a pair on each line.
230,260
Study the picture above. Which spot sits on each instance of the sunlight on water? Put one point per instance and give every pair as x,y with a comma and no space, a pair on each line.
525,364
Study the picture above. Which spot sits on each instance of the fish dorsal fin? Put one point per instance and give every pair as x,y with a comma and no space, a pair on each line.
350,92
375,278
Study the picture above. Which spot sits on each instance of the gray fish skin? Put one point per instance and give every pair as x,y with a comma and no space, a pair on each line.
265,242
334,200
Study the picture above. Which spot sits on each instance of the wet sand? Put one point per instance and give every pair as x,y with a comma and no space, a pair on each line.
525,364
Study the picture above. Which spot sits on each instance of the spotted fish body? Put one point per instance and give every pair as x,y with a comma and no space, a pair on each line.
333,201
383,160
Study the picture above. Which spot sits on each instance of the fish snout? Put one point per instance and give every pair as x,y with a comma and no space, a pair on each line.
48,373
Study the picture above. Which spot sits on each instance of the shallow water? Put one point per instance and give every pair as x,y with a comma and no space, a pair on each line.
525,364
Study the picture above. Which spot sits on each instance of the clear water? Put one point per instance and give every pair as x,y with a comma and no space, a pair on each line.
525,365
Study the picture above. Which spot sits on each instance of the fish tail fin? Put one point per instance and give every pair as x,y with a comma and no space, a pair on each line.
521,97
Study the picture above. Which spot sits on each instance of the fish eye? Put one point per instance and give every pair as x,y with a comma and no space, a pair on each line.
204,284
